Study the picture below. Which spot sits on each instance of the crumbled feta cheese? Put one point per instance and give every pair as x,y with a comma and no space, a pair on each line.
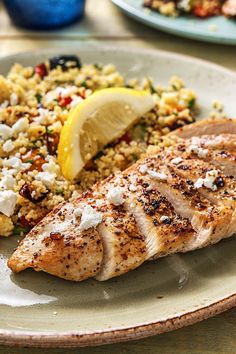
99,202
89,217
20,126
75,101
5,131
208,181
13,162
43,113
115,196
143,169
51,166
164,218
78,212
13,99
177,160
8,146
50,96
184,5
132,187
217,140
7,202
66,91
157,175
7,182
16,164
55,127
46,178
200,152
8,171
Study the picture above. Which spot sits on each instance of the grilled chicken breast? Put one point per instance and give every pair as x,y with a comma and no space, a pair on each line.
178,200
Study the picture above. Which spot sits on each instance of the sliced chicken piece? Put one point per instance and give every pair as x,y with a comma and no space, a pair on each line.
213,185
225,160
212,126
207,219
222,158
172,231
57,246
134,207
165,232
124,246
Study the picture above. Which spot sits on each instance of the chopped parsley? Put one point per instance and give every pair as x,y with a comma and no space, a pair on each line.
191,103
18,230
38,97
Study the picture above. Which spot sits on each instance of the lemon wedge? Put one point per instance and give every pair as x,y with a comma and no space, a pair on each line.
96,121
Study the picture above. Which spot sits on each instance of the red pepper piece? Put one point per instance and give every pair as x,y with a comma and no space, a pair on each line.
41,70
64,101
200,11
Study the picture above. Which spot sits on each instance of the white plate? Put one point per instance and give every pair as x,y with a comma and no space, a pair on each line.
157,297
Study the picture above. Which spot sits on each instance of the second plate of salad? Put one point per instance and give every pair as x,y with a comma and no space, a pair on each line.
203,22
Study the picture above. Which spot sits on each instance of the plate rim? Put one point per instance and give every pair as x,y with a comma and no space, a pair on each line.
112,48
76,339
94,338
132,12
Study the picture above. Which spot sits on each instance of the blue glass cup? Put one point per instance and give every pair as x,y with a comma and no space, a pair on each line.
44,14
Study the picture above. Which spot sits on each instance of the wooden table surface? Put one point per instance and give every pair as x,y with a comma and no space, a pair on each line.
106,25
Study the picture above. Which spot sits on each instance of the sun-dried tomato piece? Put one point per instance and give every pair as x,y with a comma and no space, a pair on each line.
32,222
36,160
24,222
52,141
27,192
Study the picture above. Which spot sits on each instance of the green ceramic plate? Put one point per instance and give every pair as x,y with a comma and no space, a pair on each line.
40,310
216,29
